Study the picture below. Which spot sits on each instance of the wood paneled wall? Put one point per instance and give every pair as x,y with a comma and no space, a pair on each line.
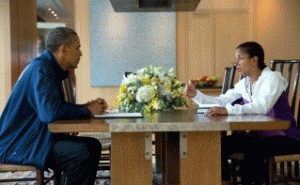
23,15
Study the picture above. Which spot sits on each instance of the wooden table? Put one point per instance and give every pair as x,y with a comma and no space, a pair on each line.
199,148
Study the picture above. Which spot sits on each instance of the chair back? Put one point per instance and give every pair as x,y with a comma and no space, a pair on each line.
127,73
228,79
68,90
290,69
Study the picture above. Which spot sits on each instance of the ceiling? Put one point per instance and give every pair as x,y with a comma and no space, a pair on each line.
154,5
60,7
65,8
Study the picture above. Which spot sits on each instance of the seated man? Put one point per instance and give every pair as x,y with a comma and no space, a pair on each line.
37,100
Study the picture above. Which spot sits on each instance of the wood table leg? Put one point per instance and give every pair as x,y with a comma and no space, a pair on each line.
172,159
167,157
128,163
202,166
160,138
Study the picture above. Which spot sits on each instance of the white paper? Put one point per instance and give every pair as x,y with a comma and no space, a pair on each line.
120,115
201,111
207,106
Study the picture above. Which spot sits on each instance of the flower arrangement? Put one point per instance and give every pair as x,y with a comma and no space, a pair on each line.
150,90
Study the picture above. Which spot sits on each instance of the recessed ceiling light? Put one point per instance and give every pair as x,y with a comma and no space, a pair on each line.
53,12
49,9
55,15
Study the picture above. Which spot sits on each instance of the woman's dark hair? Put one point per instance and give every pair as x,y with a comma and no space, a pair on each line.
59,36
254,49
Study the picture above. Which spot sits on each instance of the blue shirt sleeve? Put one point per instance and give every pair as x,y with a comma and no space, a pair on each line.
47,99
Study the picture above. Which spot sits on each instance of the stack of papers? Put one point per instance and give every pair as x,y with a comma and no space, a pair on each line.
207,106
201,111
116,114
204,107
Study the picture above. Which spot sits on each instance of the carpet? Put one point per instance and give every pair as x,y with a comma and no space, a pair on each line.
31,174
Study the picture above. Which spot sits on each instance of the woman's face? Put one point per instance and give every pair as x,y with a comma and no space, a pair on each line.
244,64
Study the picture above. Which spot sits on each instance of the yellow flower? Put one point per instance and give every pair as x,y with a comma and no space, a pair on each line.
122,89
117,101
154,80
150,89
168,86
146,80
156,104
149,108
130,96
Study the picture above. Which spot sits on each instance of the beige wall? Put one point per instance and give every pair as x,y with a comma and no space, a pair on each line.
5,55
273,23
276,27
84,90
17,43
212,39
224,5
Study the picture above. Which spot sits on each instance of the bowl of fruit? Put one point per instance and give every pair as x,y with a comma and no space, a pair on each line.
205,81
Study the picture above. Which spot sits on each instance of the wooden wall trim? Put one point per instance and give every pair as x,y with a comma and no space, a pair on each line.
23,15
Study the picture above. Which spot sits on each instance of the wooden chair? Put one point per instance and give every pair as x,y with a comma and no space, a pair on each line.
289,69
126,74
104,138
69,90
288,163
228,79
287,166
40,179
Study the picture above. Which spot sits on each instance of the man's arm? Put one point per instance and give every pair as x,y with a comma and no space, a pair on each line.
47,100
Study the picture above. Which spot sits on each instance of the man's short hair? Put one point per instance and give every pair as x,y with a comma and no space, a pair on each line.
59,36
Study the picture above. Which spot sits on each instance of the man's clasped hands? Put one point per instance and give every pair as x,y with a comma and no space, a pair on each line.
97,106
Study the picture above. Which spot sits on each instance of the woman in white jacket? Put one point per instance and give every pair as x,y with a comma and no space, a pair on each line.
262,91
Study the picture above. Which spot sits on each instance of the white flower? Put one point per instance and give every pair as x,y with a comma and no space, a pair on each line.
145,93
150,89
132,79
158,71
164,91
171,72
131,89
141,72
157,105
165,80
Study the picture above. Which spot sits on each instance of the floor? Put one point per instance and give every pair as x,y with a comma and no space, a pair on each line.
156,177
98,181
8,175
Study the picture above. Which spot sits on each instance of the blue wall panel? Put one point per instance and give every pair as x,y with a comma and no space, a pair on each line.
122,42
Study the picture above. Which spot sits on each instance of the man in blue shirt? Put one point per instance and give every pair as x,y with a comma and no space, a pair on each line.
37,100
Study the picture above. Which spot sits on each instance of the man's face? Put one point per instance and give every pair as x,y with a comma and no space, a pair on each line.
72,54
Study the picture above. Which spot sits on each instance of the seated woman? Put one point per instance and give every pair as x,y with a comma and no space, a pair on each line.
262,91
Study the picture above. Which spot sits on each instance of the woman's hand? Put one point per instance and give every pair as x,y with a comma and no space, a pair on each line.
190,90
217,111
